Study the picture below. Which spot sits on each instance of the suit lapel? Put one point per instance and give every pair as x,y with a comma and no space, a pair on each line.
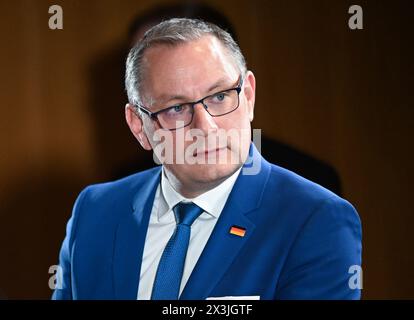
223,247
130,239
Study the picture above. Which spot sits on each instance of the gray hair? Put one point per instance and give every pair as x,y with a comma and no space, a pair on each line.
173,32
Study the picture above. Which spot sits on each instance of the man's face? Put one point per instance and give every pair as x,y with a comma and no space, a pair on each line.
185,73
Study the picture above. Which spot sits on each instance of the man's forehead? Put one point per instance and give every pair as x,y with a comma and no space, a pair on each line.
186,69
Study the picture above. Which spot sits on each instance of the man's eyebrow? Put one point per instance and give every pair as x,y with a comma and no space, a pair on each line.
166,98
221,83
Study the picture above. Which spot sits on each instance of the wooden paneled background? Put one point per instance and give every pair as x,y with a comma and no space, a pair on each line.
342,96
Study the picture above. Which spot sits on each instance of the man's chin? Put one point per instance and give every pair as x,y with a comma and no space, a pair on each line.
208,173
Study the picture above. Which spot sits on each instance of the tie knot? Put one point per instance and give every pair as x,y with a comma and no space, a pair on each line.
186,213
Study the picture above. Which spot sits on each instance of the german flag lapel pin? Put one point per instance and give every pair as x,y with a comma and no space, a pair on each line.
238,231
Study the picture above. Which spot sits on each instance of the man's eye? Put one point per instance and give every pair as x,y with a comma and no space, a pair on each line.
176,109
219,97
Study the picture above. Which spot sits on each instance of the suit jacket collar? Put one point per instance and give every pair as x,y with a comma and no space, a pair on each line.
130,239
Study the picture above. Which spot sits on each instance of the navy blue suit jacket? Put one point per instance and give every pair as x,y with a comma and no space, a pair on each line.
300,240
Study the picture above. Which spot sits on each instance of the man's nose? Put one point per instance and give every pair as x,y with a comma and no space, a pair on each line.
202,119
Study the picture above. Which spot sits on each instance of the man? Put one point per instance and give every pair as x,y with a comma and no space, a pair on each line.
216,220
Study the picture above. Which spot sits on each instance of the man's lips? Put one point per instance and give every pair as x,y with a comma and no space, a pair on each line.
207,152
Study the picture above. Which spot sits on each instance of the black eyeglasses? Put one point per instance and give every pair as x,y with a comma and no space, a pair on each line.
181,115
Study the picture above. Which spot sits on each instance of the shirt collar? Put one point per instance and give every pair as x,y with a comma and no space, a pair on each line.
212,201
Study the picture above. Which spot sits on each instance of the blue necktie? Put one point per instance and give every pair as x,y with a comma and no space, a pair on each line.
170,269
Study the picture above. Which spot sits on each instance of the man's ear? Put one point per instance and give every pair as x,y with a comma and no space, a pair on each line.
136,126
250,92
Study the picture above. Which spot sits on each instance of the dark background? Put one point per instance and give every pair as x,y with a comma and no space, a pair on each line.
341,96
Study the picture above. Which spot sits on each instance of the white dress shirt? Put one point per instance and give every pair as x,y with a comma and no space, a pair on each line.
162,225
